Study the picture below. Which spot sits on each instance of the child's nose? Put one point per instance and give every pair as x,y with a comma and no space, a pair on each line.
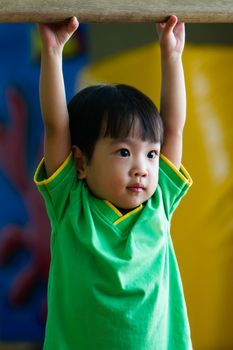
139,172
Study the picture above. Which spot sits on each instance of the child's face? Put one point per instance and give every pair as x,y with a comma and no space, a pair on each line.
123,171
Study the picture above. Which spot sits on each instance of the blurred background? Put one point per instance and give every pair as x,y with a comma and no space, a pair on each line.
202,228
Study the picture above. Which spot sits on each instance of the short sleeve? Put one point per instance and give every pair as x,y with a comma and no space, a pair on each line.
174,184
56,188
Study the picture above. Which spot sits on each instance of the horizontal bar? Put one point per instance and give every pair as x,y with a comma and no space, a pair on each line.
87,11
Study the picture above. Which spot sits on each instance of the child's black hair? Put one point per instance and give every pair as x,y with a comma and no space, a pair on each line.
111,111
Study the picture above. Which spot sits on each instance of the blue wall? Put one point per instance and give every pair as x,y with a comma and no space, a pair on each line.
24,227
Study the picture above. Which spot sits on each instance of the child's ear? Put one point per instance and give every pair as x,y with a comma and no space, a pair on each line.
80,162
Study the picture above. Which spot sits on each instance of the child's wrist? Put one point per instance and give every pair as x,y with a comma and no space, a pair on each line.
171,58
52,51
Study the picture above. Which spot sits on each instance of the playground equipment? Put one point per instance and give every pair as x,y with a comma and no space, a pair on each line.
205,11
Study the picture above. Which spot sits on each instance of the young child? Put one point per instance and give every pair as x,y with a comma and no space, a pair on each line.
111,178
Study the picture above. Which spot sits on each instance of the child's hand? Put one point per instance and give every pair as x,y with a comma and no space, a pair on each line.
172,37
55,35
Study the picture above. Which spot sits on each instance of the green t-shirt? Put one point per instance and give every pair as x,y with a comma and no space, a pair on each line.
114,282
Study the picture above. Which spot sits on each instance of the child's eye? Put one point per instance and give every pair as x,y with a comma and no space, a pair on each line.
152,154
123,152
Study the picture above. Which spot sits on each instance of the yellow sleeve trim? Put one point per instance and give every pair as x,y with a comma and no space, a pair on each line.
184,175
54,175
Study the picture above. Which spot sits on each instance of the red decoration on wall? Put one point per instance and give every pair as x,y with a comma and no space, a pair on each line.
34,236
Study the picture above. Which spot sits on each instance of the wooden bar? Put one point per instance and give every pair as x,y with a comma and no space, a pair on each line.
87,11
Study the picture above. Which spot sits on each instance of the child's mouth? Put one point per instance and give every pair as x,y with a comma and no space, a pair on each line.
137,188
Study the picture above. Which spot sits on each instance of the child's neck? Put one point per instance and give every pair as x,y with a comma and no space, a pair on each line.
124,211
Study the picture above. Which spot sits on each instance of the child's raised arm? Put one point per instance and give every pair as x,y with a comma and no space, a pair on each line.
173,93
57,143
